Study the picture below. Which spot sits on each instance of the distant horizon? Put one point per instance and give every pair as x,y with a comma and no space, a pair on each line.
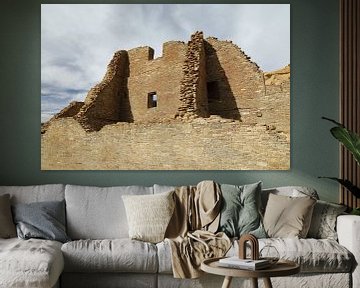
78,40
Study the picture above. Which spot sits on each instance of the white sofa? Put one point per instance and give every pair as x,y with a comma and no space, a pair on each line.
101,254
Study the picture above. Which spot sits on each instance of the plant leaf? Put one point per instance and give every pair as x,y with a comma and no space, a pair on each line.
347,184
349,139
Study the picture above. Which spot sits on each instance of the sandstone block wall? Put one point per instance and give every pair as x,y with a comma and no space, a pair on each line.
232,115
103,102
161,76
204,144
193,90
238,82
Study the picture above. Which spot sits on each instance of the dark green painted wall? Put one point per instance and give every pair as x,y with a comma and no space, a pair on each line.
314,84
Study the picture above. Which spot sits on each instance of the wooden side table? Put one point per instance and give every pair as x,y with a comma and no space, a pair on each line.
281,268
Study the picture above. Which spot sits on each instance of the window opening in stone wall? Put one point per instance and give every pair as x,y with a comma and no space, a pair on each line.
152,100
213,91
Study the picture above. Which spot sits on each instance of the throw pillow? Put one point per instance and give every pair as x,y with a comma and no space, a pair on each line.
288,217
323,222
149,215
240,213
44,220
7,227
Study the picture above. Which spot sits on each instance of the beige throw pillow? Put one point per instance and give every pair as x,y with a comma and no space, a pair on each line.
288,217
7,226
148,215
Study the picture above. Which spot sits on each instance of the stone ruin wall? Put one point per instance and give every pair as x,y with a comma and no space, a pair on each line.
103,102
161,75
198,144
155,140
193,90
239,81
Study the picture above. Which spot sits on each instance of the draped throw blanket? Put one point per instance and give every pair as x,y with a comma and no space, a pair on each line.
191,231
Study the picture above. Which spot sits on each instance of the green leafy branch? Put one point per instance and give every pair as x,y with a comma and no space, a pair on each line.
351,141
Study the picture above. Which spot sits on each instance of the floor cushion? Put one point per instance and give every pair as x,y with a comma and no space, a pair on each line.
30,263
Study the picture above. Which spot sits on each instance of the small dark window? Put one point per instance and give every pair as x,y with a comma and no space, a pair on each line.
152,100
213,91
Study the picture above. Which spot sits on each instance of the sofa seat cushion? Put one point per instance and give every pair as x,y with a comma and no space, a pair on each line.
313,255
30,263
115,255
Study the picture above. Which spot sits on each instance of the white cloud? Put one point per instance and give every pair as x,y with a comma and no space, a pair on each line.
78,41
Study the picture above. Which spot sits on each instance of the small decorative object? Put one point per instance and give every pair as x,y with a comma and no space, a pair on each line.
254,246
270,253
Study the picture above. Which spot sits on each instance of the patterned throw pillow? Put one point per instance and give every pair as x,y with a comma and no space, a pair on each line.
288,217
7,226
323,223
149,215
240,213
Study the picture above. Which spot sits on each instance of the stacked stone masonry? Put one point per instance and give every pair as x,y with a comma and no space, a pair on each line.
201,105
193,92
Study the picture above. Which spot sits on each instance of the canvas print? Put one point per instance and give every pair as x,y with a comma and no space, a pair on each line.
165,87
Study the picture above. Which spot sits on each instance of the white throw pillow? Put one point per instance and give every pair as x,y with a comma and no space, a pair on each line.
149,215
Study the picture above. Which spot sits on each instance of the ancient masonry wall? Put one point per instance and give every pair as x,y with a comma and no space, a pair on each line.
69,111
238,82
116,129
276,101
212,143
161,76
193,90
103,102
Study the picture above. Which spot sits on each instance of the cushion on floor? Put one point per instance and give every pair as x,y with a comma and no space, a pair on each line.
30,263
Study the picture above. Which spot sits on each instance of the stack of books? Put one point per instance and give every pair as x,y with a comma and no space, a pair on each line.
248,264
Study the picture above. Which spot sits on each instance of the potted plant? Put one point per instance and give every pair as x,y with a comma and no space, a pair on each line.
351,141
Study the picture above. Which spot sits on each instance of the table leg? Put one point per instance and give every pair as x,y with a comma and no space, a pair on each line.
267,283
254,282
227,282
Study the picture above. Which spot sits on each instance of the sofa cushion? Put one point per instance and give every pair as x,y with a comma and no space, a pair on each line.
98,213
116,255
240,210
287,216
7,227
323,222
30,263
149,215
43,220
313,255
291,191
35,193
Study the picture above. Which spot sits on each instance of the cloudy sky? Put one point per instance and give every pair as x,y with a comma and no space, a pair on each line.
78,41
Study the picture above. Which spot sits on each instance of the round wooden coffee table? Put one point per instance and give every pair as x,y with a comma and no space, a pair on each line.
281,268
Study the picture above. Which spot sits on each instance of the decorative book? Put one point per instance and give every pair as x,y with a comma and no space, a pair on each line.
249,264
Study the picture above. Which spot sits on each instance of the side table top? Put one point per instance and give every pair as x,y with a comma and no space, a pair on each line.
281,268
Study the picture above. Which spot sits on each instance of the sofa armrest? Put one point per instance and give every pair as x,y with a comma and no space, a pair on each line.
348,230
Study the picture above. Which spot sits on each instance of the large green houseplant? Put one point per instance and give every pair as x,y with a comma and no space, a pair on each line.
351,141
